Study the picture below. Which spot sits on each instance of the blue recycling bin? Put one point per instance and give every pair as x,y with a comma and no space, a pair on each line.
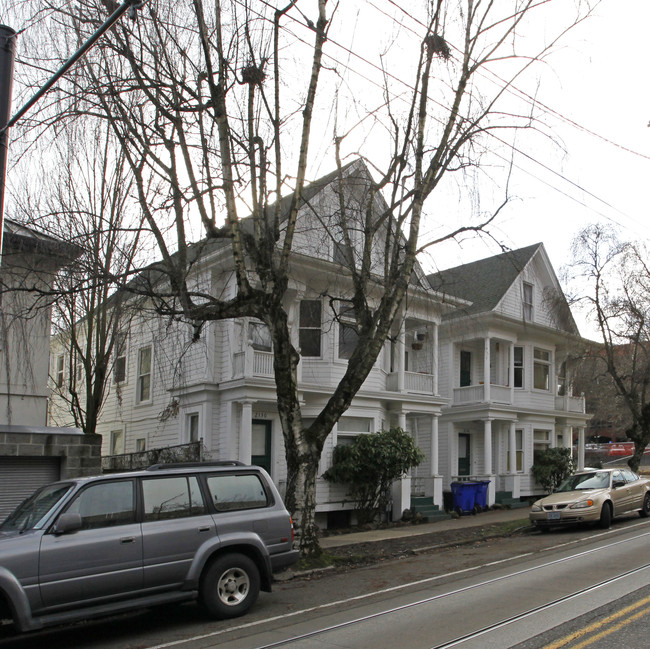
480,499
464,497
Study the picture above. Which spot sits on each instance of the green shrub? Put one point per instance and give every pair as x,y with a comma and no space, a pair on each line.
552,466
370,465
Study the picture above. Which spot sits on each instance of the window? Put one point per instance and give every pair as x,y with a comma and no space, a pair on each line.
119,367
465,368
105,504
193,427
519,367
140,445
59,370
519,451
309,336
541,441
350,427
260,337
143,390
541,369
117,442
236,492
176,497
348,335
528,302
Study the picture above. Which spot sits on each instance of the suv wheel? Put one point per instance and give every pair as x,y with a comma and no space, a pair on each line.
230,586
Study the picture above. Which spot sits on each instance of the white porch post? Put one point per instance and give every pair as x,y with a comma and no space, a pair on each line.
486,370
435,462
511,373
401,357
246,434
487,461
401,489
436,351
487,446
567,436
581,448
512,448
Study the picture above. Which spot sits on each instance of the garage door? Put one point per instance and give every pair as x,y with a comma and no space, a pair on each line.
20,476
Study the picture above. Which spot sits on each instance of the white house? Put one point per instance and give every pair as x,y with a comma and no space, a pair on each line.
31,453
505,369
168,390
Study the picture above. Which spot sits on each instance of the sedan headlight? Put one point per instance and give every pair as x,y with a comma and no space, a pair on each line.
536,508
582,504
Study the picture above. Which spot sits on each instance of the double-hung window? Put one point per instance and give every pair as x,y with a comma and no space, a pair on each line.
519,367
309,336
59,370
119,366
348,334
143,388
541,369
527,300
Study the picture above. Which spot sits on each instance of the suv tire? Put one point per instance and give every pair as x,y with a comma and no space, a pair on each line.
230,586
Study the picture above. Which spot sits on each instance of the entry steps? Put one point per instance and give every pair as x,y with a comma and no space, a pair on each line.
505,499
423,505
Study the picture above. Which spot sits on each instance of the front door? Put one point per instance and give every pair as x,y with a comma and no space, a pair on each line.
463,454
261,444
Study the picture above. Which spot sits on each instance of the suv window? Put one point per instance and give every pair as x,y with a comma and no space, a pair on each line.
173,497
231,492
105,504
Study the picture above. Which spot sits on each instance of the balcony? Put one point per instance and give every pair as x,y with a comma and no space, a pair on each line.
476,394
414,383
252,363
568,403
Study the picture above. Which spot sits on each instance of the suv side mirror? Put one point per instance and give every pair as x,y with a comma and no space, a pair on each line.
68,522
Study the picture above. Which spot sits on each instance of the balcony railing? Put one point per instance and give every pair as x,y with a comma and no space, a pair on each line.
414,382
253,363
476,394
570,404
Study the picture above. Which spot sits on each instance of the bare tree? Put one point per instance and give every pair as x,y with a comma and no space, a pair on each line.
218,106
88,205
618,277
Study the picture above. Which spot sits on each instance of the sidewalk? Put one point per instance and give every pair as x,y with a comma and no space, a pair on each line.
463,522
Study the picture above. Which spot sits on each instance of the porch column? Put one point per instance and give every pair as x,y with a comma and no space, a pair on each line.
486,370
487,446
401,420
401,356
434,446
581,448
401,488
512,448
511,373
438,498
567,436
246,434
434,367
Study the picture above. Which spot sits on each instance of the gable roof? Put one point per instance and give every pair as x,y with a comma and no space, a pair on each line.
483,282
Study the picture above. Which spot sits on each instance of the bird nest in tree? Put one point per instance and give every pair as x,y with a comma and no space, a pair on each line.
438,45
253,74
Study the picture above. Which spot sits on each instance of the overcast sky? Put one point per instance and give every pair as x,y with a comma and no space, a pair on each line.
599,81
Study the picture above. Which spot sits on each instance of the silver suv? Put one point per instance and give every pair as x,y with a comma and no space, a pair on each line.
93,546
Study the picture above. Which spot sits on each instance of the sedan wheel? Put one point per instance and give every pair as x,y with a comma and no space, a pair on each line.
605,516
645,508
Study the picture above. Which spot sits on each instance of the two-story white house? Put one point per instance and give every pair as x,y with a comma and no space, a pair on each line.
505,369
168,390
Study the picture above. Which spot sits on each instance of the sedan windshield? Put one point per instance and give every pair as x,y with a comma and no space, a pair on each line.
596,480
32,511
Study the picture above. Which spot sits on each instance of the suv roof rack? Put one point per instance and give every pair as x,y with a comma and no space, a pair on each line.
193,465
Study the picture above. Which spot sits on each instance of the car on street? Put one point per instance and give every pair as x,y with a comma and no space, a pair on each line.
593,496
212,531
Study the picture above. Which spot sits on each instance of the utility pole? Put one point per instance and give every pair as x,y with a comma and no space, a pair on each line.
7,54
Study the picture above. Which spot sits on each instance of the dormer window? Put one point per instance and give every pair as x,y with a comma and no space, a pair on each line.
528,302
